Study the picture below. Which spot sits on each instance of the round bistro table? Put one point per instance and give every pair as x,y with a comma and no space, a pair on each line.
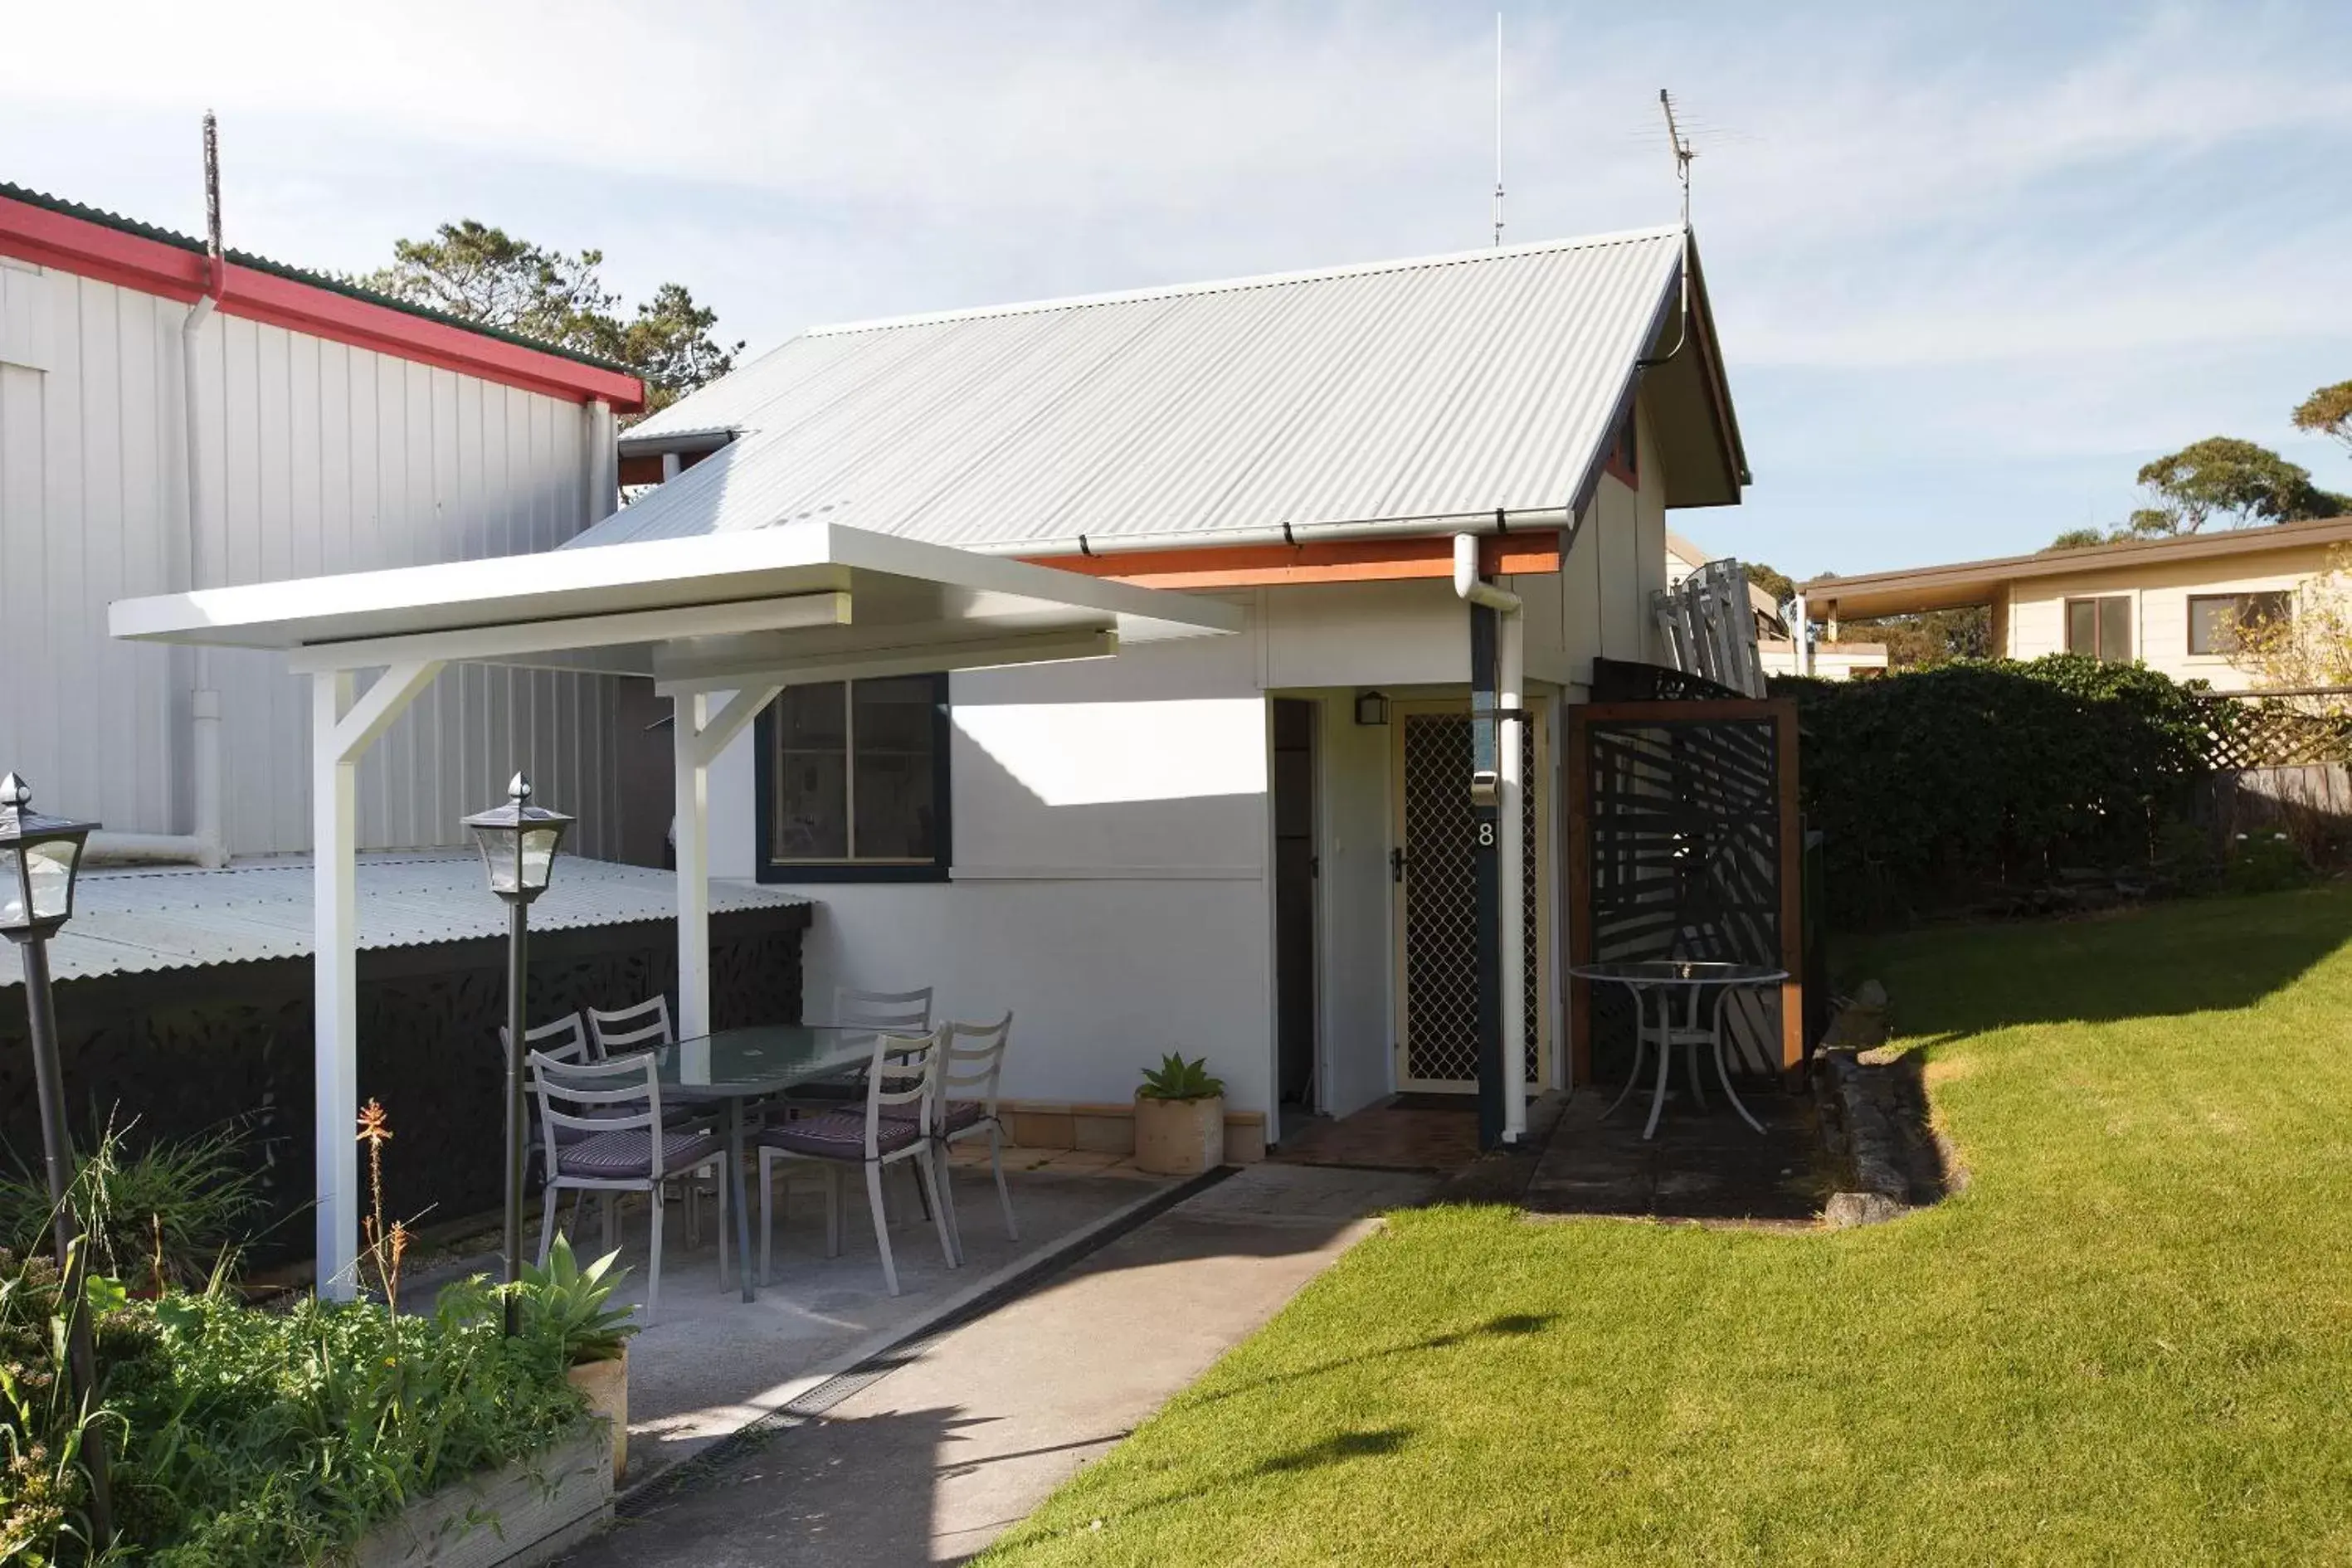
1702,987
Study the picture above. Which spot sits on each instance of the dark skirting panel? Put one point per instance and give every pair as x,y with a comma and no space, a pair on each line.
176,1052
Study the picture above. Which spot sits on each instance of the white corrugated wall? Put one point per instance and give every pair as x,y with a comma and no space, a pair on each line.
318,458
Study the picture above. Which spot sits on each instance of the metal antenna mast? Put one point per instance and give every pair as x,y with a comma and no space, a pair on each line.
1681,150
1498,128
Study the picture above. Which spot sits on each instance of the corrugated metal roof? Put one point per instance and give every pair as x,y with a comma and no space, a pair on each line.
128,922
1439,388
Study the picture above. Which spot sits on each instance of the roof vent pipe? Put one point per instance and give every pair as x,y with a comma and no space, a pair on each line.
1510,830
207,845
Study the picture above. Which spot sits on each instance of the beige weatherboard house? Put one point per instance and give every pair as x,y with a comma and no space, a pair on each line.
2174,604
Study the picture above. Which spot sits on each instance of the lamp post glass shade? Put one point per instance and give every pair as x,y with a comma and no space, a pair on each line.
518,841
38,859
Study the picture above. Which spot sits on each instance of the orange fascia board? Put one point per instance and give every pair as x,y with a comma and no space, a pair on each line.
1346,561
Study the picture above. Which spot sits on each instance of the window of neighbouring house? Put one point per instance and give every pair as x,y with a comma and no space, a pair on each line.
2100,627
854,781
2217,621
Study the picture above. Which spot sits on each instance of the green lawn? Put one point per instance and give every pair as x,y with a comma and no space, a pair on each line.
2129,1340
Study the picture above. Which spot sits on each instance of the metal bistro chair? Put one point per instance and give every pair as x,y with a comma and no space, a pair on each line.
904,1073
564,1039
972,1057
604,1134
638,1027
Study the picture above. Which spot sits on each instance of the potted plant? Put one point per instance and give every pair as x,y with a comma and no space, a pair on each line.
574,1302
1180,1118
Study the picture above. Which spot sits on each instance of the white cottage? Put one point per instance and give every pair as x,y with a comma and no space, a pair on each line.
1256,847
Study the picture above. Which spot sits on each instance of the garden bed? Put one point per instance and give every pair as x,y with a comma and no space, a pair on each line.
528,1512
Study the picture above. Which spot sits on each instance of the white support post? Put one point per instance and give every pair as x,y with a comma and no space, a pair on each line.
698,736
341,729
1510,851
335,920
692,832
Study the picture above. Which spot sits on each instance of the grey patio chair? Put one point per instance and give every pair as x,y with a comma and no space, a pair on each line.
972,1060
903,1074
564,1039
639,1026
604,1134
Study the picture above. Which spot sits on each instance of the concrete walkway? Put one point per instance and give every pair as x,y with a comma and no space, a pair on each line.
968,1433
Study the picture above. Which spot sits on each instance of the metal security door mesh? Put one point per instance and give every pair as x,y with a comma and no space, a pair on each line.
1441,905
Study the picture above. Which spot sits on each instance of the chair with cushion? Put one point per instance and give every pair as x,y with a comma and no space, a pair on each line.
566,1040
892,1127
972,1063
604,1134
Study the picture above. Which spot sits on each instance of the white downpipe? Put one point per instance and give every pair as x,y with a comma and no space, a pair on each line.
1510,833
1804,631
208,843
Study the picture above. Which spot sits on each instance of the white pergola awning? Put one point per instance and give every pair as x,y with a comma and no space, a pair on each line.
745,614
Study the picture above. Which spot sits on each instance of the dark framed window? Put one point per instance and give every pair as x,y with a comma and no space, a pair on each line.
2218,621
853,782
2100,627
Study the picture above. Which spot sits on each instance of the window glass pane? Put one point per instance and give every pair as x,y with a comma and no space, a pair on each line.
2083,625
2266,608
2212,623
811,783
895,773
2114,630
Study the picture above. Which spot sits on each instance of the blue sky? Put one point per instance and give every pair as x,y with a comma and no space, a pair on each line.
1972,264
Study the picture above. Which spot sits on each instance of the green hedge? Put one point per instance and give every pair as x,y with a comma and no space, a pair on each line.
1942,790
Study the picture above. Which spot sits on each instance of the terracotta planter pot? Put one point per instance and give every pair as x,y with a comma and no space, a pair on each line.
606,1384
1180,1137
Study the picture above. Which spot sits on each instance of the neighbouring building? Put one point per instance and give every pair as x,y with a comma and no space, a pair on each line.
164,427
2175,605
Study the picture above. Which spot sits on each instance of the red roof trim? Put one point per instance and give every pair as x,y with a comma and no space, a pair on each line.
93,250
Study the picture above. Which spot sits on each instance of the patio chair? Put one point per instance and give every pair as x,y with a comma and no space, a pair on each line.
604,1134
639,1026
564,1039
889,1012
972,1057
904,1072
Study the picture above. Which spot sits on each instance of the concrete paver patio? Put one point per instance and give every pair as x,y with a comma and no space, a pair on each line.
710,1362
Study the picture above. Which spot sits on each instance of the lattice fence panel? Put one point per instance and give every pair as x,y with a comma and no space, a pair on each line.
1441,905
2248,733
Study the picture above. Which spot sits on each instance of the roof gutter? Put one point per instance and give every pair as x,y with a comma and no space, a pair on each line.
1498,520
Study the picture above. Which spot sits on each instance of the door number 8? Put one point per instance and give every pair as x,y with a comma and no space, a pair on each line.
1486,836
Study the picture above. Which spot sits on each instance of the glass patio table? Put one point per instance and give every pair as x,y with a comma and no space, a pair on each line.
735,1066
1703,987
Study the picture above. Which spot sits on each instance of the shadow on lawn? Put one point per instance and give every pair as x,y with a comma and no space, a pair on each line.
2195,956
1334,1450
1510,1324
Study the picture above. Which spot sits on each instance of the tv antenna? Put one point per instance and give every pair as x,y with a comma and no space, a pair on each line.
1498,128
1681,150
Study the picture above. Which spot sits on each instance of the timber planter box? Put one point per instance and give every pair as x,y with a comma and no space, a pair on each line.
528,1513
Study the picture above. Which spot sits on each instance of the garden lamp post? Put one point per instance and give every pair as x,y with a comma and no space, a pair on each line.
518,842
39,856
